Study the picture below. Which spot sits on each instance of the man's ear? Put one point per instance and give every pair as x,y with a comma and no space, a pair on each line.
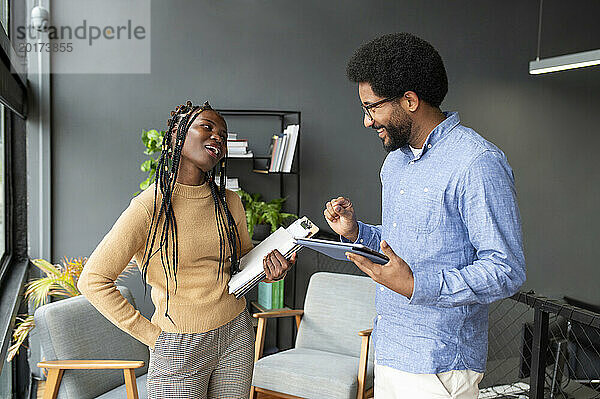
410,101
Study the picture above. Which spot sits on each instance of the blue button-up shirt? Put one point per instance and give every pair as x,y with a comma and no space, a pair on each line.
451,213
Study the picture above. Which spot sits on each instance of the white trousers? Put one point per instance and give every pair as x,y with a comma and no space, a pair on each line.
456,384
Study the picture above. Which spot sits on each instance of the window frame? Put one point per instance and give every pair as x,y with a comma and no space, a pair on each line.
14,262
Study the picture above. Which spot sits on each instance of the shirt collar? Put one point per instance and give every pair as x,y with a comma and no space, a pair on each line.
440,131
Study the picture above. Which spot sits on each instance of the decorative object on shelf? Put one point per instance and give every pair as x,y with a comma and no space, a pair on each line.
59,282
261,212
152,139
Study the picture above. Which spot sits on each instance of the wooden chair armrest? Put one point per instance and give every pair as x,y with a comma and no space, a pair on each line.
365,333
278,313
90,364
262,325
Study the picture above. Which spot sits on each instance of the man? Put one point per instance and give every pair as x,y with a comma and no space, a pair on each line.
450,226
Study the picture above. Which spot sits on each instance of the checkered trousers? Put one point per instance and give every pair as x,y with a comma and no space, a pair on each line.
213,364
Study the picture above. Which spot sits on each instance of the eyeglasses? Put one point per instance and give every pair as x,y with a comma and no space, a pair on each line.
367,108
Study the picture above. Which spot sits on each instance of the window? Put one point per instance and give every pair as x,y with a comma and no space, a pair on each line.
4,15
14,376
2,183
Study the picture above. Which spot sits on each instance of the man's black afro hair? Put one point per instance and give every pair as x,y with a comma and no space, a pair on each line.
398,62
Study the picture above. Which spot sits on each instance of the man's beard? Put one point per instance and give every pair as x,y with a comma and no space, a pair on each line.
398,130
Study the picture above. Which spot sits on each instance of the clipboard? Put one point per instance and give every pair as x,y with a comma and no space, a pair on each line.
337,250
251,264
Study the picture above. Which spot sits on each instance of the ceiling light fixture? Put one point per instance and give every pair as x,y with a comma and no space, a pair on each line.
563,62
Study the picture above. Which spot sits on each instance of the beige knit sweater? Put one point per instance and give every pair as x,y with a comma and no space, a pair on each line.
201,302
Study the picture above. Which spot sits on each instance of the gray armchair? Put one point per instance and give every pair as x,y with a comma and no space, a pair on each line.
88,356
331,358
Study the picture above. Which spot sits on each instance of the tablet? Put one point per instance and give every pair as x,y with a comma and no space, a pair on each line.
337,250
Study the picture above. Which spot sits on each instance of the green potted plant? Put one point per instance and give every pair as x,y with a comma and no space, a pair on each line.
152,139
263,217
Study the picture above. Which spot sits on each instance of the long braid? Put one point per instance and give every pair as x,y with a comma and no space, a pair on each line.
165,178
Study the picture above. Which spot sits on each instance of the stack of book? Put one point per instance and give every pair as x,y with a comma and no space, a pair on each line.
270,295
232,183
283,147
237,148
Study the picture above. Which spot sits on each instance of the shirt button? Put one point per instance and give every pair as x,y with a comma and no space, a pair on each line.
379,317
381,289
425,189
361,240
401,191
394,224
428,145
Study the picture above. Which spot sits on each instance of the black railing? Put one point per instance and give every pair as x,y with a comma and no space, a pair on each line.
542,348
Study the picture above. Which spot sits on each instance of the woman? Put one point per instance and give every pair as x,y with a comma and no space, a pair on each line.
187,234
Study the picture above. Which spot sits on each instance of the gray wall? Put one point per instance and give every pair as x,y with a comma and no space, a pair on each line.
291,55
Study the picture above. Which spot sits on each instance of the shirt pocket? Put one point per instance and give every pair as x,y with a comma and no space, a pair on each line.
421,207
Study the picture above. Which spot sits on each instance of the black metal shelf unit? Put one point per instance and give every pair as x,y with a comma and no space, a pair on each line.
282,115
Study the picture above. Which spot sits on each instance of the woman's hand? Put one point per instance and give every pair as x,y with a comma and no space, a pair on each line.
276,266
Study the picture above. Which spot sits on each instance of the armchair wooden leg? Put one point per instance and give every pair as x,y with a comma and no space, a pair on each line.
53,383
260,338
252,392
130,384
362,367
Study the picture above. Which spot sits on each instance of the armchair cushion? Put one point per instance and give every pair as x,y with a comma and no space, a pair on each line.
336,308
310,373
72,329
120,392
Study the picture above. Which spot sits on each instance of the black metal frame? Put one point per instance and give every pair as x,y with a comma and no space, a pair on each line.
543,307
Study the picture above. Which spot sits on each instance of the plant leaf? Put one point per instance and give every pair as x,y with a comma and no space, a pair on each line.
20,332
46,267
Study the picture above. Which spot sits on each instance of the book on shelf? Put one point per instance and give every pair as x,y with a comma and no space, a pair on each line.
251,264
232,183
248,154
283,148
272,152
238,148
284,141
290,148
270,295
237,143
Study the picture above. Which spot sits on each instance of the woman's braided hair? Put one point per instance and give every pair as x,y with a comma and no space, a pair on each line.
166,175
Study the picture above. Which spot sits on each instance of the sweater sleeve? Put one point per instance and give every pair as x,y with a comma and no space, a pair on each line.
109,259
239,215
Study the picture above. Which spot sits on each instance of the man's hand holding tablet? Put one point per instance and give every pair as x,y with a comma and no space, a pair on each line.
395,275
